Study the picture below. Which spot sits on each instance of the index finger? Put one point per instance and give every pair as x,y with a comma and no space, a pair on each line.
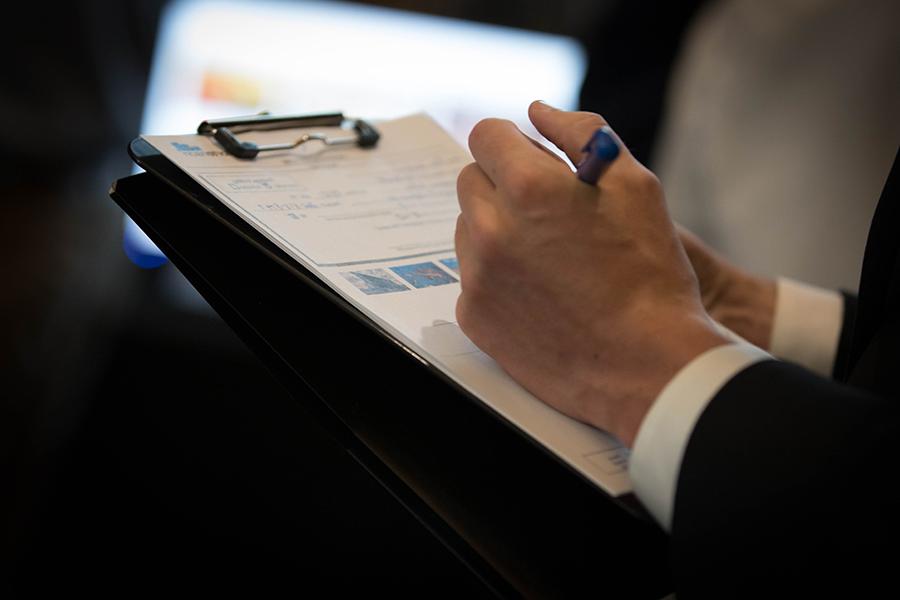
502,151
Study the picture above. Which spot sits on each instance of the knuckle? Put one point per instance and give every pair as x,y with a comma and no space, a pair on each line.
483,130
488,241
642,182
525,183
464,174
649,183
487,245
535,192
458,233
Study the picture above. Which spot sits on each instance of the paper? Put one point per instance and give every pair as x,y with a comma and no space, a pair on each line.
377,226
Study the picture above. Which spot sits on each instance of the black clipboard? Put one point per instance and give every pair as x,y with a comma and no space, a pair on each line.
147,157
627,512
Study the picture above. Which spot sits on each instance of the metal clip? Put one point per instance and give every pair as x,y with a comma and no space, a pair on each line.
225,132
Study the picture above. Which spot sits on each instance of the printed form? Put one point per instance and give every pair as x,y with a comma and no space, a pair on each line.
377,226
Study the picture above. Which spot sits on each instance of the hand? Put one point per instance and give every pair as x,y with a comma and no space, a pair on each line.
742,302
582,293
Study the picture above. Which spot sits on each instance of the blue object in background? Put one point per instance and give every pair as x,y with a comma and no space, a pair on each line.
140,249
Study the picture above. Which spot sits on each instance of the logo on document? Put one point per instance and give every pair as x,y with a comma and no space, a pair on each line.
192,150
188,149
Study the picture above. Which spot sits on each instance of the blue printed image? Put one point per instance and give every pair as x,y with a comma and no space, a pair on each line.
424,274
374,281
452,264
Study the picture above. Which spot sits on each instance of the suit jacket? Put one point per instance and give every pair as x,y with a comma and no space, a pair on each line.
788,486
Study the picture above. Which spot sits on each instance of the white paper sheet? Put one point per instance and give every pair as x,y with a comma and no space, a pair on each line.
377,226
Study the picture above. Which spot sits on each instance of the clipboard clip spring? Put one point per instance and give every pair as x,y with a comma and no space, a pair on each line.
225,131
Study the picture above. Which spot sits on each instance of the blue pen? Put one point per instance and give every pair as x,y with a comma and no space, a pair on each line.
601,150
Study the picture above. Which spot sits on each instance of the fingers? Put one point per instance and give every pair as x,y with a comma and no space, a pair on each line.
462,248
504,153
478,218
570,131
474,191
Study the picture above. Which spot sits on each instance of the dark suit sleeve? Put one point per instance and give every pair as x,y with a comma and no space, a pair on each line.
787,476
842,357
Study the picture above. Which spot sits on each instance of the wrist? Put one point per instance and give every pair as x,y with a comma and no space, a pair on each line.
746,306
669,347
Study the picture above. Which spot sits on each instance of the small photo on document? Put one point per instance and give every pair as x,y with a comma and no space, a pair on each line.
451,263
374,281
424,274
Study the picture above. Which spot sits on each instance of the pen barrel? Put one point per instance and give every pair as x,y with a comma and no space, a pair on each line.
601,150
591,168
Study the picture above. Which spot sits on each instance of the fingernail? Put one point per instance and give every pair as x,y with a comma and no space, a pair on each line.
543,105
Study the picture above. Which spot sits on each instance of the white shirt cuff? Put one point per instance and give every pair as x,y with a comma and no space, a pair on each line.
807,325
665,432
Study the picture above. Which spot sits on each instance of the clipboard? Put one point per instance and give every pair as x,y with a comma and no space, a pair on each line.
273,243
365,136
631,515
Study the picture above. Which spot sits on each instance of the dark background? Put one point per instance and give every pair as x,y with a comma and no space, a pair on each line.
143,447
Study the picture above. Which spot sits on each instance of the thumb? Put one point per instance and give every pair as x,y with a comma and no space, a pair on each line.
570,131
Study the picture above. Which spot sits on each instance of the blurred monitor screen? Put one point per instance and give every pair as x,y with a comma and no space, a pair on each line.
218,58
